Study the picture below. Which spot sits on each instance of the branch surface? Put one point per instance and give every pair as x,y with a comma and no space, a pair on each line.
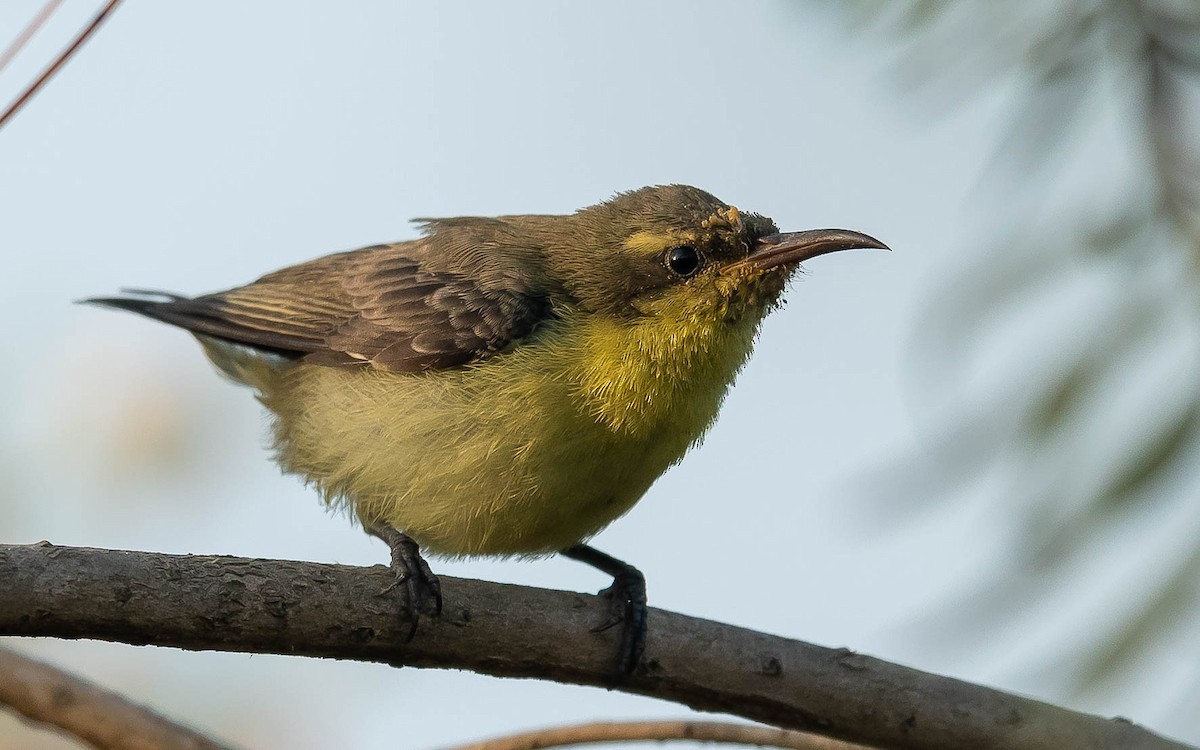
336,611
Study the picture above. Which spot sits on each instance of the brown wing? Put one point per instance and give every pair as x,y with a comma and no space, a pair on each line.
382,305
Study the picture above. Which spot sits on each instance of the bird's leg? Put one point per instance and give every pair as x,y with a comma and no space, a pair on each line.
627,603
412,572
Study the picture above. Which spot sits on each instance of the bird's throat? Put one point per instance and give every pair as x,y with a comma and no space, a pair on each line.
661,372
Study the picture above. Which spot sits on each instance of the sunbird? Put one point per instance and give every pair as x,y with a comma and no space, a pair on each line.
505,386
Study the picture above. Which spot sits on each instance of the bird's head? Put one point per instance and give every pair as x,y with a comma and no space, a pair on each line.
677,250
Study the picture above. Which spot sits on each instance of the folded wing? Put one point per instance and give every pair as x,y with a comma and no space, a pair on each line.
382,306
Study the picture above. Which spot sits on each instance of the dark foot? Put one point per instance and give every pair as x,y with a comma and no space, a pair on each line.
412,572
627,603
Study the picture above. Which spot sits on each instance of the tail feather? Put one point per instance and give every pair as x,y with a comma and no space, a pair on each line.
143,304
198,316
243,362
171,296
161,306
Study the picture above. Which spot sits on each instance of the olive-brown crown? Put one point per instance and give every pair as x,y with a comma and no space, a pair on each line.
645,242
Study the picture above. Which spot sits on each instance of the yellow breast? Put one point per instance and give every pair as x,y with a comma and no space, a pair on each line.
527,452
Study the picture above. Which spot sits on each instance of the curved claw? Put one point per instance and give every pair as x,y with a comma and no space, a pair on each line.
430,580
627,604
413,573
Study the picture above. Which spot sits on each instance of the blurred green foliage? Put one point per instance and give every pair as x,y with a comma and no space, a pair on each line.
1064,354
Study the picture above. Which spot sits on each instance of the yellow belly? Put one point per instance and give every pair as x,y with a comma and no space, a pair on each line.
527,452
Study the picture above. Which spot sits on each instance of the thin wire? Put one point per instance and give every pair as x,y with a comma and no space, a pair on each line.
58,62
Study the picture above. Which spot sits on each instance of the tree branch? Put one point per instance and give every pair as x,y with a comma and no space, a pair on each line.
309,609
58,62
661,731
103,719
27,33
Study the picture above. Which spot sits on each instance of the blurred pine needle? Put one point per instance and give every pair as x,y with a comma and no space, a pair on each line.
1091,217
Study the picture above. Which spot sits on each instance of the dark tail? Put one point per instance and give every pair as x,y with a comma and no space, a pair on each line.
201,316
148,302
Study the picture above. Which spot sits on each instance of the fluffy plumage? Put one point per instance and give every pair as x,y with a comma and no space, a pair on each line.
499,386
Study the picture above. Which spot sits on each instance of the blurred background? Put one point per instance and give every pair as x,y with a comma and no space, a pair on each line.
977,455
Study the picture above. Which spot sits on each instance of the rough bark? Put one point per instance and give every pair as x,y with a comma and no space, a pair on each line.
336,611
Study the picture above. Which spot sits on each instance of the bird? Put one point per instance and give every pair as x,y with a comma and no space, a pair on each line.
505,386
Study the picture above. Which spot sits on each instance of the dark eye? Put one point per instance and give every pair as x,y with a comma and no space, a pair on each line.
683,260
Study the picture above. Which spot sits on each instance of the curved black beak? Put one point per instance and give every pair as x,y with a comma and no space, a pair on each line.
793,247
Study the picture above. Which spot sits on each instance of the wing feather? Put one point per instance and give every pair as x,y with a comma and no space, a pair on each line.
397,307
